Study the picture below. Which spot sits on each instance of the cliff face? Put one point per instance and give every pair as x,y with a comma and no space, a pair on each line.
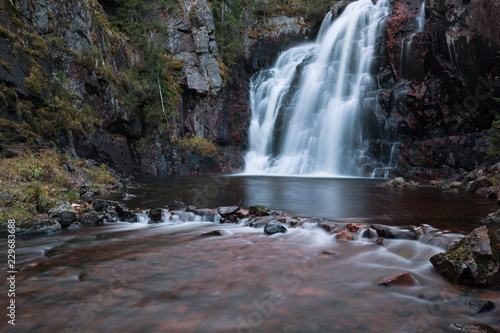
76,79
439,84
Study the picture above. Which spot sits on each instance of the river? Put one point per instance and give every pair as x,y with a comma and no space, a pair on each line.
166,277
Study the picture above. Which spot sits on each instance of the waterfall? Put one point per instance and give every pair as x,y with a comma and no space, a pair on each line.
306,108
406,44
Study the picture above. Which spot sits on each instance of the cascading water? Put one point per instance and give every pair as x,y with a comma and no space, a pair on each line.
306,109
407,43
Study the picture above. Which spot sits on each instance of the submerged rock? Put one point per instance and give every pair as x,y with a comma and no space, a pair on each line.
345,235
33,227
271,229
470,328
474,260
398,279
492,218
212,233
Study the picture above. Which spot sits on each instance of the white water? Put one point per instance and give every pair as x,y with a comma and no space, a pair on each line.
319,112
406,47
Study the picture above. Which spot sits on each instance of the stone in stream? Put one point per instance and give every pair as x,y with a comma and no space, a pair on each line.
492,218
398,279
212,233
103,205
393,233
129,217
33,227
64,214
271,229
355,227
228,210
155,214
259,210
176,205
345,235
75,226
209,215
470,328
89,216
474,260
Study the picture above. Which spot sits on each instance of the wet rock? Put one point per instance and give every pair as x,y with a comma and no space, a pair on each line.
469,304
176,205
271,229
190,209
492,218
103,205
396,182
398,279
75,226
345,235
355,227
156,214
369,233
212,233
261,221
64,214
393,233
259,210
474,260
380,241
130,217
478,184
470,328
89,216
33,227
327,227
243,213
226,211
209,215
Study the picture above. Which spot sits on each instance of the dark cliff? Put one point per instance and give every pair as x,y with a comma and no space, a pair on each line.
439,92
138,85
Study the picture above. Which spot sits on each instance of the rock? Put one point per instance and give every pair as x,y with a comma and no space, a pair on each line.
380,241
355,227
212,233
474,260
209,215
327,227
469,304
261,221
129,217
393,233
89,216
398,279
176,205
156,214
33,227
102,205
271,229
259,210
492,218
75,226
190,209
470,328
478,184
226,211
396,182
64,214
243,213
345,235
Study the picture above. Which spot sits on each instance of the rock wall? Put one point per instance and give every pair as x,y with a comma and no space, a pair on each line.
437,96
47,46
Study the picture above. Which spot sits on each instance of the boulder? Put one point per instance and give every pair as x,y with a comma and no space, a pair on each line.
393,233
64,214
33,227
492,218
226,211
345,235
474,260
89,216
102,205
398,279
271,229
155,214
396,182
355,227
176,205
259,210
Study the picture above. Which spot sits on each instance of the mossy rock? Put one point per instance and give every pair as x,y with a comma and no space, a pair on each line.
33,227
259,210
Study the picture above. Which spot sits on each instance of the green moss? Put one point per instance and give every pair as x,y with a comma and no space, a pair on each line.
37,79
196,145
6,33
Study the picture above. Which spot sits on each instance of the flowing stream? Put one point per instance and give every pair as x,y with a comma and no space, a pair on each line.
306,109
167,277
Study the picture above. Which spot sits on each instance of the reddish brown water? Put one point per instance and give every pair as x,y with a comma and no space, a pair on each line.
166,278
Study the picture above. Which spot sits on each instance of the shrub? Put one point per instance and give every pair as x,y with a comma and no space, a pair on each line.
197,145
